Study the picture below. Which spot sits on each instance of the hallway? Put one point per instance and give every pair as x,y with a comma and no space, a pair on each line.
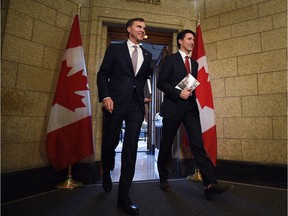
186,199
146,164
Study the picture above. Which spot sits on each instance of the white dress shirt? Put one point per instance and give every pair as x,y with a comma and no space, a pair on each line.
183,54
131,48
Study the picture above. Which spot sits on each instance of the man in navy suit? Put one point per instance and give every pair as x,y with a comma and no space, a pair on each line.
179,106
120,88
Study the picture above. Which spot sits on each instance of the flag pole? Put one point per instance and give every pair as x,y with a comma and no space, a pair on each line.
198,20
79,7
70,184
196,177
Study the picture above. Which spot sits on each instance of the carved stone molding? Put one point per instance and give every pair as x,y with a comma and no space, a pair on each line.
148,1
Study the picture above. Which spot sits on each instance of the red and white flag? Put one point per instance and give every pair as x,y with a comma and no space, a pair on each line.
69,134
205,99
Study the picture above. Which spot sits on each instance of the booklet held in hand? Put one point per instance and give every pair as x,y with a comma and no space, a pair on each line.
187,82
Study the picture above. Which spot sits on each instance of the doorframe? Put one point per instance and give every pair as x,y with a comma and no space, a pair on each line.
153,35
157,36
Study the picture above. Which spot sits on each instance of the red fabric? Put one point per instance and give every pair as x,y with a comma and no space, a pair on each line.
74,37
69,144
185,139
205,99
69,134
210,142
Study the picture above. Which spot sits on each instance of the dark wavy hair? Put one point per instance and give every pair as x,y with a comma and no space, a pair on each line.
181,35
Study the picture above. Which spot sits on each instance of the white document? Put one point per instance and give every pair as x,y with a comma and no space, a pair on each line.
147,89
187,82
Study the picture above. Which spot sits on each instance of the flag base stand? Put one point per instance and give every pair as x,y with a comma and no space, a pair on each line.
69,184
196,177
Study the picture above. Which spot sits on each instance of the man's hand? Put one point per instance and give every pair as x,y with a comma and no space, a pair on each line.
147,100
186,93
108,104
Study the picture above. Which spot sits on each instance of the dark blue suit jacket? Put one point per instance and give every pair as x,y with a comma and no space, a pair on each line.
116,77
172,72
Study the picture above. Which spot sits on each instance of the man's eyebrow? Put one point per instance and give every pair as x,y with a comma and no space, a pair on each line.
139,25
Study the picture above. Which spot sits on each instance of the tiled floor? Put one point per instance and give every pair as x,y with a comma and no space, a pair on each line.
146,167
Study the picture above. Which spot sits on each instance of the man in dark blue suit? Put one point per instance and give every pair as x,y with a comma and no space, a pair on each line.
180,106
121,79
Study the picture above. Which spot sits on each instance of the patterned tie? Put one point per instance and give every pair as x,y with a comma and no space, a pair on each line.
135,58
187,64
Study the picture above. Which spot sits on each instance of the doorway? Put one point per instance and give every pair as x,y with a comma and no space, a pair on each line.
159,43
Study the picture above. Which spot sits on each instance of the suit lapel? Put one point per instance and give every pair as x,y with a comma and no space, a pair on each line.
180,62
182,67
145,57
194,68
127,57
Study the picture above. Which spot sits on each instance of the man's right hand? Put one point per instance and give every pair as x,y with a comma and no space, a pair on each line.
108,104
186,93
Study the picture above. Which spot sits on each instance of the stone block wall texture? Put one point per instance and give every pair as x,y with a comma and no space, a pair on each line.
248,69
34,38
245,43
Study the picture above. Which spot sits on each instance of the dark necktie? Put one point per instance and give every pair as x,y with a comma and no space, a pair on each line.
187,64
134,58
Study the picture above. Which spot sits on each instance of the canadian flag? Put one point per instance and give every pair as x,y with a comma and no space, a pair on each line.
69,134
205,99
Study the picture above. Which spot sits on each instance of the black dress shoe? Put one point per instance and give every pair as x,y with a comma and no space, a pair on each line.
107,183
216,189
128,206
164,185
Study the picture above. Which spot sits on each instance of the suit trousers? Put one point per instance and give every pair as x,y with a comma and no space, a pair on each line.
192,126
133,118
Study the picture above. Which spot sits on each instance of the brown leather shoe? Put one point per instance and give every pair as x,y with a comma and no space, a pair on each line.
164,185
216,189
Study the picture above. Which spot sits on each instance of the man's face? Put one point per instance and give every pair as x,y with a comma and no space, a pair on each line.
187,44
136,31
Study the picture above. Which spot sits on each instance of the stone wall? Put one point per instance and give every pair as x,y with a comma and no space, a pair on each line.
34,41
246,47
34,37
245,43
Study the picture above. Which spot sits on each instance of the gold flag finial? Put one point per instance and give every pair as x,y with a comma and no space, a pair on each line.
198,21
79,7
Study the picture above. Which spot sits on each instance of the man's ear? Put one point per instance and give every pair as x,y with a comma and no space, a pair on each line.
129,29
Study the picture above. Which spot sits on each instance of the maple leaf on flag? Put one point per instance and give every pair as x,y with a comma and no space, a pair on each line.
204,91
67,85
69,137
